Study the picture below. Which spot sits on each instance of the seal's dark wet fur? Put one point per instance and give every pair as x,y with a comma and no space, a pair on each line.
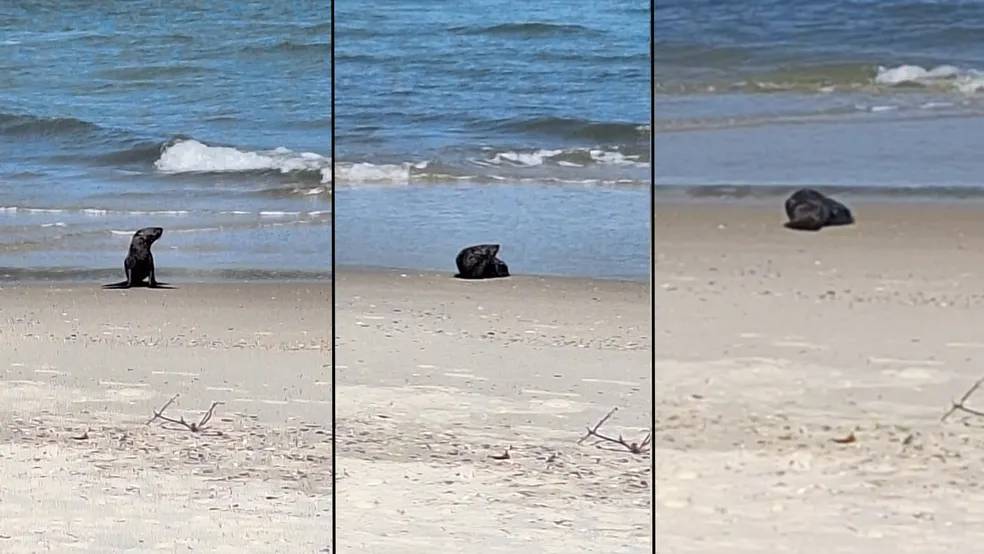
480,262
809,210
139,262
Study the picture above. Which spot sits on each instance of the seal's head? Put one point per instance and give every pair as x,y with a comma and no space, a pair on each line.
142,239
149,234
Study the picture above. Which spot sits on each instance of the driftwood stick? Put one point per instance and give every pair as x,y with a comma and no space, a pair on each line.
633,447
960,404
157,413
599,424
193,427
208,415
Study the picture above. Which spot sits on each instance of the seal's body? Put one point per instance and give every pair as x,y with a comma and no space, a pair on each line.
480,262
809,210
139,262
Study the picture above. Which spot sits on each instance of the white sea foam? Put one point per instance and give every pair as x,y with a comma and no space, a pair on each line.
92,212
170,212
195,230
536,158
373,173
967,81
191,156
277,213
613,158
504,165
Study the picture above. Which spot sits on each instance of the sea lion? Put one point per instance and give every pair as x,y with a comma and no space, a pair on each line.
139,262
480,262
809,210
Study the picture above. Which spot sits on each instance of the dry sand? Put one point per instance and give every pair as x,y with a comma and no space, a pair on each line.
81,371
437,375
772,343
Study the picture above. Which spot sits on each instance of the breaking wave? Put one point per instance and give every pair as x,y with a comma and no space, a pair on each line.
192,156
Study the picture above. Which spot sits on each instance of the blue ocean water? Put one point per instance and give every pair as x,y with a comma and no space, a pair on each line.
211,120
871,95
525,124
214,121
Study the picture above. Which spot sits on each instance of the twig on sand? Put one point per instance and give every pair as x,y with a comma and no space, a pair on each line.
193,427
635,448
959,405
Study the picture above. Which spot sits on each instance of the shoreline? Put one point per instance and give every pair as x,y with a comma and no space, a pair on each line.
352,269
868,194
176,276
98,277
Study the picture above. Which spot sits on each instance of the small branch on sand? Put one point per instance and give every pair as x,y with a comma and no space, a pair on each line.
959,405
193,427
635,448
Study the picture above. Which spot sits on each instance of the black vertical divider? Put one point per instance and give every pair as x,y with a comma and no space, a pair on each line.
334,505
652,252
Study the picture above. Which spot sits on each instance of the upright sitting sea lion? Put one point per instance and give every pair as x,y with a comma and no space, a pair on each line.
139,262
479,262
809,210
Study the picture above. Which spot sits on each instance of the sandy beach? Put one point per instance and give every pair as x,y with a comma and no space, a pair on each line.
773,345
83,369
438,378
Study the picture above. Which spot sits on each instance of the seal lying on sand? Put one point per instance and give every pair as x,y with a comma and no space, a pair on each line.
139,262
808,210
479,262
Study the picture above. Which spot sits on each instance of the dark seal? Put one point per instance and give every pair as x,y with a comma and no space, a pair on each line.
139,262
480,262
809,210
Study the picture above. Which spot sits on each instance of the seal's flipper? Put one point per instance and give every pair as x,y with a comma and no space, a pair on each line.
120,285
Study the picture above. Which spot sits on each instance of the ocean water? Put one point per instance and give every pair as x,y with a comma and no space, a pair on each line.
211,120
525,124
875,96
485,121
